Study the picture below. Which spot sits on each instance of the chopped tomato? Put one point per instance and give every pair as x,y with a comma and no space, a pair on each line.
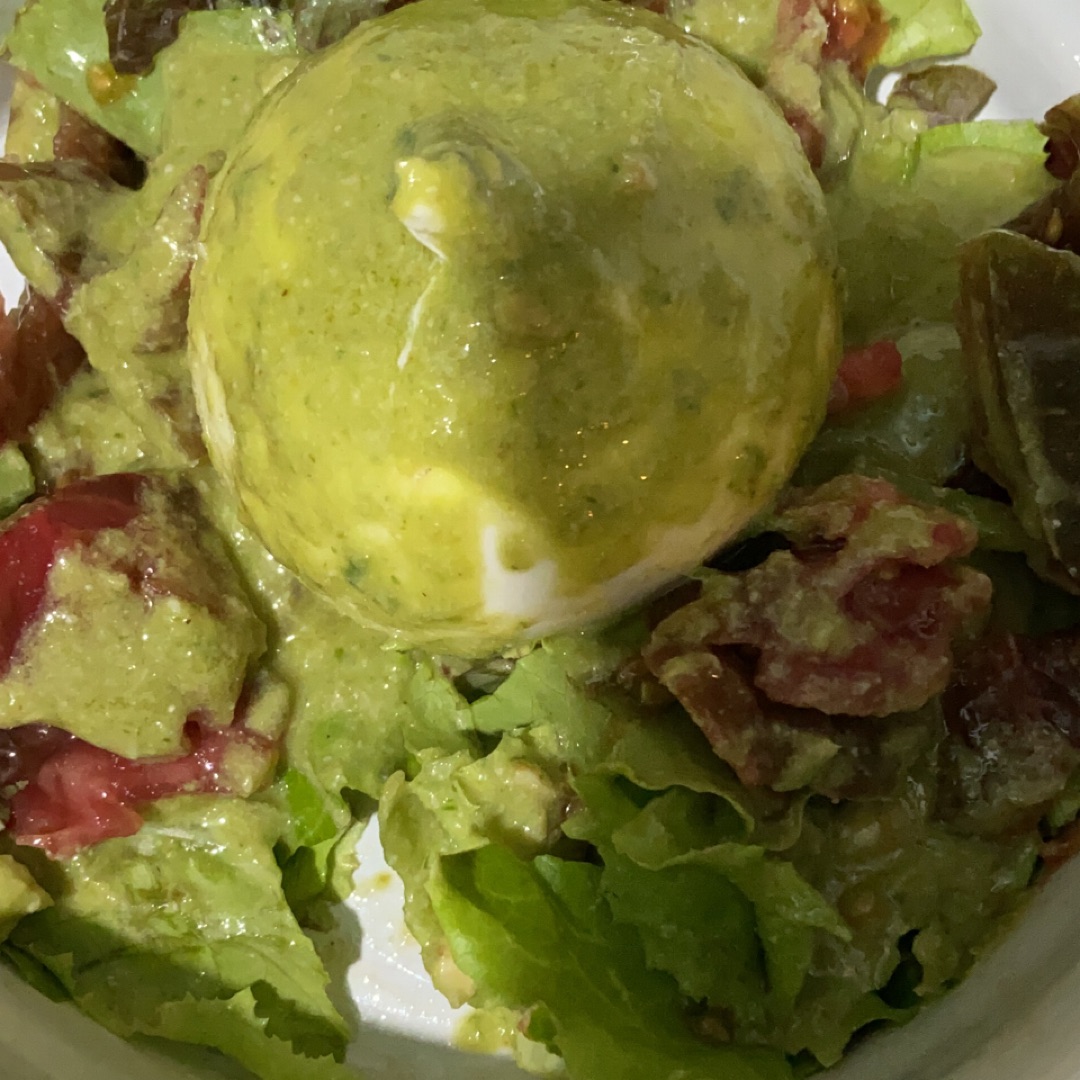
71,794
866,374
30,545
858,31
810,135
811,35
849,32
856,618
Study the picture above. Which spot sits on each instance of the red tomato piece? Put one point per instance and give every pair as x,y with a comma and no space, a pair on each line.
858,31
74,794
29,546
866,374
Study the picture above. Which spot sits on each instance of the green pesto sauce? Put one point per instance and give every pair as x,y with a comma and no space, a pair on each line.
87,432
124,671
491,1030
33,122
352,703
443,307
63,42
350,708
119,673
135,247
212,77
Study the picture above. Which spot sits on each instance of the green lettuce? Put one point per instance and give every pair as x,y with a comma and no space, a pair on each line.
902,198
16,479
362,712
171,116
733,924
182,932
775,920
921,29
907,880
746,30
456,804
537,935
62,44
663,753
20,894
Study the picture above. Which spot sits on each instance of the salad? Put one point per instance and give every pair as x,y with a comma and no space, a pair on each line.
719,828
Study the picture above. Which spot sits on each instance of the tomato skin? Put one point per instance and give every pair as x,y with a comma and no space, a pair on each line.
814,34
61,792
866,374
882,576
71,794
858,31
73,515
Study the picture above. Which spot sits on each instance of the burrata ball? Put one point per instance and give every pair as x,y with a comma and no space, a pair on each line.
510,311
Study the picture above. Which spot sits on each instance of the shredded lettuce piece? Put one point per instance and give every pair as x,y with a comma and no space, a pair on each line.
536,935
16,479
63,45
239,1026
20,894
362,713
732,924
907,196
757,905
919,29
902,201
182,931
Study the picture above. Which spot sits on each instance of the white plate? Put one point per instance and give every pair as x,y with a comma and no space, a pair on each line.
1016,1018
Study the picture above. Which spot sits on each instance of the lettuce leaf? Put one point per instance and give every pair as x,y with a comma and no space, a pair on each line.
907,196
773,920
920,29
732,924
63,45
746,31
20,894
899,874
457,804
362,712
902,201
317,867
16,479
190,912
240,1027
665,754
536,935
681,878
